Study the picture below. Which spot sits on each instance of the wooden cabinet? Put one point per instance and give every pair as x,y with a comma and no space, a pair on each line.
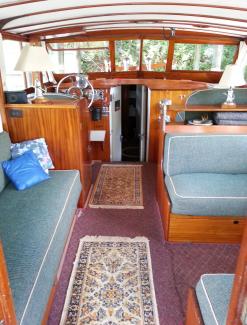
65,127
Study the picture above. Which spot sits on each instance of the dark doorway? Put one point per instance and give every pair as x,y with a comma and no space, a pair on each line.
131,123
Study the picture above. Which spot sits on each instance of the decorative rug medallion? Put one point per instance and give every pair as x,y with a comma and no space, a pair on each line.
118,187
111,283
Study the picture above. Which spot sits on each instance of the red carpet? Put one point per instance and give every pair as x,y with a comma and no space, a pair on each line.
175,266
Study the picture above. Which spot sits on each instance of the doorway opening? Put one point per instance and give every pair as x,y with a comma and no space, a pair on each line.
129,123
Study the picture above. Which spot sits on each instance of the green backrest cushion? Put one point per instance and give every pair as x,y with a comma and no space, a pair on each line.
4,155
205,153
216,97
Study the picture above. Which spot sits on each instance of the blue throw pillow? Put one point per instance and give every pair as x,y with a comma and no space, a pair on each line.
24,171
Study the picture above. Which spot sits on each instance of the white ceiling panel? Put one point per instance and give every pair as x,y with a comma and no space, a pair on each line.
42,15
228,15
119,18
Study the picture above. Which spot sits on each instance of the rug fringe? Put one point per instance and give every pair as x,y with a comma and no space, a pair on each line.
122,165
134,207
114,238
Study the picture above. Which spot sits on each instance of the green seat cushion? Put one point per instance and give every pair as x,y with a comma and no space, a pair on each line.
34,225
207,194
4,155
213,293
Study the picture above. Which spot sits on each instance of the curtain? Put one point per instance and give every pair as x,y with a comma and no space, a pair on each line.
242,55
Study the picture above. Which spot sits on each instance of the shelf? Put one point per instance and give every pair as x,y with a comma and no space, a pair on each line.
214,129
206,108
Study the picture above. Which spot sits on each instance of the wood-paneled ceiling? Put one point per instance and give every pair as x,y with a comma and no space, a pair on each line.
54,17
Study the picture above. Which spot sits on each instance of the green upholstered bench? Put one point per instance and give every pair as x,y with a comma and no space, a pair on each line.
34,226
213,292
206,176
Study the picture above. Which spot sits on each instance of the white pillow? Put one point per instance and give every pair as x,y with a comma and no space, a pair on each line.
39,148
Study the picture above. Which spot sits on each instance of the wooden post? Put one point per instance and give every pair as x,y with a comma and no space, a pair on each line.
170,56
112,55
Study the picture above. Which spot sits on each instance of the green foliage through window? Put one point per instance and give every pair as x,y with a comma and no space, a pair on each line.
154,55
204,57
82,57
127,55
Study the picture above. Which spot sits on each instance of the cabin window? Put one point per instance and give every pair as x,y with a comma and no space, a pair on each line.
154,55
12,79
81,57
127,55
204,57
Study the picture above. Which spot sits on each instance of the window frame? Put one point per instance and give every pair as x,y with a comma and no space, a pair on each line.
83,49
202,42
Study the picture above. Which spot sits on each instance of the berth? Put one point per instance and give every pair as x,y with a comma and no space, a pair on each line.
201,187
34,227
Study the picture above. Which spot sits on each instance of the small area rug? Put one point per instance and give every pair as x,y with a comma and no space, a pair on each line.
111,283
118,187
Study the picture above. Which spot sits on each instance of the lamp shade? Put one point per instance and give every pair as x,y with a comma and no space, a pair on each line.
34,58
233,76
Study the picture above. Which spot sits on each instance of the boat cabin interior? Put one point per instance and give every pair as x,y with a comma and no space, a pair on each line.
123,162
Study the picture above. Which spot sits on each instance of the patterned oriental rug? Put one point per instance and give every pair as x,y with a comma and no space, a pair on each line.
118,187
111,283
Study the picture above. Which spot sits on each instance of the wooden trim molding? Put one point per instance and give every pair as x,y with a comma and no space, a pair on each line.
7,310
2,106
239,292
193,313
14,37
192,36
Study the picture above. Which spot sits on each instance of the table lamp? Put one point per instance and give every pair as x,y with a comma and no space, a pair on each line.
34,59
233,76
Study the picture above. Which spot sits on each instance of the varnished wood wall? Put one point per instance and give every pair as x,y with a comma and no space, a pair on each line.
178,97
66,131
